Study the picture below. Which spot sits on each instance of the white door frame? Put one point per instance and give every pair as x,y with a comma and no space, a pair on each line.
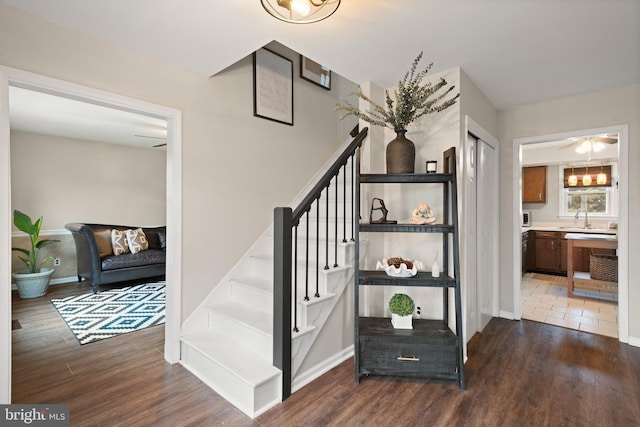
32,81
623,217
471,127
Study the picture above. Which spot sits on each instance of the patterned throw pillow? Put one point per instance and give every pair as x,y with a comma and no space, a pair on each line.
119,242
137,240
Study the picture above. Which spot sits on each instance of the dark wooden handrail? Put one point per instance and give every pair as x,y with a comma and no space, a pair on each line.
286,221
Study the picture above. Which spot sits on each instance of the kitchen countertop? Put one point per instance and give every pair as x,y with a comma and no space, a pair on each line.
572,230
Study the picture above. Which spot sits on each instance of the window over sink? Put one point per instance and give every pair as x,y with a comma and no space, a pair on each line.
599,199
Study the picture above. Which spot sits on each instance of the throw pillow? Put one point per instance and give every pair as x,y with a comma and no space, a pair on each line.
119,242
137,240
162,237
103,241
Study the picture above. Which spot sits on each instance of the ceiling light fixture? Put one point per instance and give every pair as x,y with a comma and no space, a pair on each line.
300,11
601,179
586,178
573,179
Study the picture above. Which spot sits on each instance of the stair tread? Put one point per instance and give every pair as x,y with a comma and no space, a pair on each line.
252,368
255,282
256,319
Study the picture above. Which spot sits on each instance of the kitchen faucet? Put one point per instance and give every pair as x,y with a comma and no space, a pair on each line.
586,217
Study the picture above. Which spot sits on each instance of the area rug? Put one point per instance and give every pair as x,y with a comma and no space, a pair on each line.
93,317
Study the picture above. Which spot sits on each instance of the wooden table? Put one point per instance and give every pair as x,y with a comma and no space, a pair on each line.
585,240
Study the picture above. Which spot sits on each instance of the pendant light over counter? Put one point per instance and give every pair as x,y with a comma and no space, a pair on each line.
300,11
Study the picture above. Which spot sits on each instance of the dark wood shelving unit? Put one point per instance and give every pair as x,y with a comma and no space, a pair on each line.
431,349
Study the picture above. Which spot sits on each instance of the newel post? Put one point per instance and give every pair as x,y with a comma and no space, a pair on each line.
282,223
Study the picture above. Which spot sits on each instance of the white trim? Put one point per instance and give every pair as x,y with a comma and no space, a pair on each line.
32,81
507,315
634,341
42,233
623,217
321,368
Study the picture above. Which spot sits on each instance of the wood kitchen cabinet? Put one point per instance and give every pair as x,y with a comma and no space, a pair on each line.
547,251
534,184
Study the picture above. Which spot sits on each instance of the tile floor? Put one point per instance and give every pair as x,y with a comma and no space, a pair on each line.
544,299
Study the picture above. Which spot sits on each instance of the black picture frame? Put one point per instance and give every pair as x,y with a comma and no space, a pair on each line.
272,86
315,73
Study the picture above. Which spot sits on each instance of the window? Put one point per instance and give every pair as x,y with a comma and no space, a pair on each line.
598,200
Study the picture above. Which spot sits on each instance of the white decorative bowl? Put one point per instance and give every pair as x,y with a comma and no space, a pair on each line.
401,271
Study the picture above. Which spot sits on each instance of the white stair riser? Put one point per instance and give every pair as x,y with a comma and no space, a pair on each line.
256,298
250,400
253,339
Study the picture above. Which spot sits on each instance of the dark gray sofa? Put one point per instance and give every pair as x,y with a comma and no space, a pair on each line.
99,266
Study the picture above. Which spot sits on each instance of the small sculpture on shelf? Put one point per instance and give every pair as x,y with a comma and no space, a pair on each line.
399,267
423,214
378,204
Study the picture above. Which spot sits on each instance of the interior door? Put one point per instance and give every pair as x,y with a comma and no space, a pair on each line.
487,231
470,241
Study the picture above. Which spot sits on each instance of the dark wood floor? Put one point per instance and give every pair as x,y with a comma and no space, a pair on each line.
518,374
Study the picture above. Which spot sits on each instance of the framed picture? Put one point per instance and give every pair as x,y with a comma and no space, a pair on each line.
315,73
272,86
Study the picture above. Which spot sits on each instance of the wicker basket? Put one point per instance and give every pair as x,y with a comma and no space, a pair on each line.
604,267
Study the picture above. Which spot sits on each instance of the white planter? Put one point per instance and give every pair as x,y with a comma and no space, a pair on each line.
401,322
33,285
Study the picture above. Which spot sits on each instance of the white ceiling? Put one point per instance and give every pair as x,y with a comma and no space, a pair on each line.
516,51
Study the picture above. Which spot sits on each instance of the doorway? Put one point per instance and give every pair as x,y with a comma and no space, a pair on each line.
622,221
38,83
480,228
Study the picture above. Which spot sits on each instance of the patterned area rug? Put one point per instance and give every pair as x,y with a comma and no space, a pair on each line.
94,317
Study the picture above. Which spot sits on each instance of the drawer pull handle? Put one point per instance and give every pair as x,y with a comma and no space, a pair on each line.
410,358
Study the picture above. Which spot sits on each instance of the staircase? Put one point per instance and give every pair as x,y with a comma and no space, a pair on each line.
228,342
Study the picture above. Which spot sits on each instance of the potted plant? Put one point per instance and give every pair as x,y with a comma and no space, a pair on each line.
34,281
401,306
413,99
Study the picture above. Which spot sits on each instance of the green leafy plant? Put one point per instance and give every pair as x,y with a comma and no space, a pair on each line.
401,304
23,223
413,99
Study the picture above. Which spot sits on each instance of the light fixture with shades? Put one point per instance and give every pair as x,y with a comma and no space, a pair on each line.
300,11
601,179
573,179
586,178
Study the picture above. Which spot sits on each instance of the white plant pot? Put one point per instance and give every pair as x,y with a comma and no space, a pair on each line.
401,322
33,285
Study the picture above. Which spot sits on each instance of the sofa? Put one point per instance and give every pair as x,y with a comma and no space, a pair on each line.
104,256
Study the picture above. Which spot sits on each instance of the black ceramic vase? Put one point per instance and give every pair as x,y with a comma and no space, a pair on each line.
401,154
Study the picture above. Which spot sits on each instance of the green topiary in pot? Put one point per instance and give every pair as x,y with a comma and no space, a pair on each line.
401,304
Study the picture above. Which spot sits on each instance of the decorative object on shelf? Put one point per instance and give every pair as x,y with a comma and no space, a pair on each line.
272,86
300,11
33,282
315,73
413,99
435,268
398,267
423,214
432,166
401,307
382,208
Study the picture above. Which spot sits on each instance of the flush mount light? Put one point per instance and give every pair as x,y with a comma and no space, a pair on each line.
300,11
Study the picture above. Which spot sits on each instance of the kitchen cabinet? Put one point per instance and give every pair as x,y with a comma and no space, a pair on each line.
547,252
534,184
528,251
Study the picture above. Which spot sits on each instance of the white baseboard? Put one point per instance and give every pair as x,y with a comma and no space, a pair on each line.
634,341
321,368
507,315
